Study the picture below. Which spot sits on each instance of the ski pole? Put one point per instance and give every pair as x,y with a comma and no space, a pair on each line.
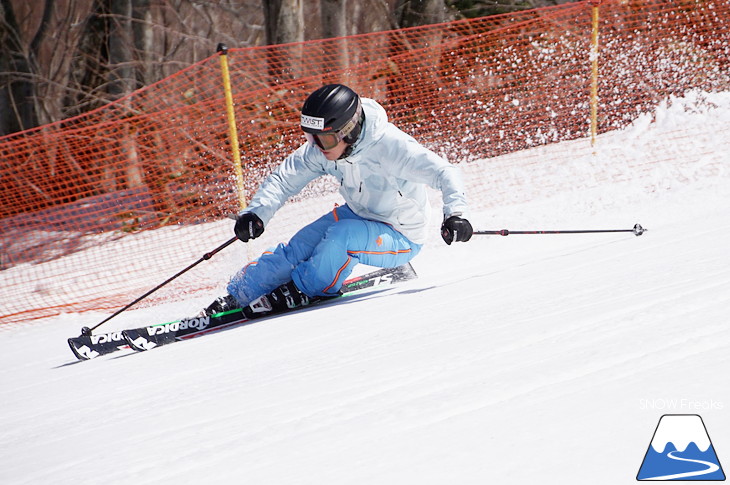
86,331
637,230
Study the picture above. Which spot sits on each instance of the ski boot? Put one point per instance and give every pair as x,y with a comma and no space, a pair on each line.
286,297
220,305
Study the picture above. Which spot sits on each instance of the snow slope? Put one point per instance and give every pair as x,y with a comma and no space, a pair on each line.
511,360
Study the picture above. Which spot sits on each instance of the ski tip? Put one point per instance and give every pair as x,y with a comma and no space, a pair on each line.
404,272
411,270
83,352
137,342
73,349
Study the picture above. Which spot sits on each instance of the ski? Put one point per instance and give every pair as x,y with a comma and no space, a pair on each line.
92,346
146,338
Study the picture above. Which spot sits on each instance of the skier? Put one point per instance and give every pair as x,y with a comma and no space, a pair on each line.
383,174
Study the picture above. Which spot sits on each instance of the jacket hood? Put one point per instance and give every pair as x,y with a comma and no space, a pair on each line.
376,121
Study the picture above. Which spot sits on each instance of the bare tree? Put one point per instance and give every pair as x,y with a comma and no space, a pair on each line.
333,14
121,48
17,87
411,13
61,58
143,40
484,8
284,20
71,56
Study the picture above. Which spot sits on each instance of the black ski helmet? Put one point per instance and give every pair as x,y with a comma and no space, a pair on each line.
333,109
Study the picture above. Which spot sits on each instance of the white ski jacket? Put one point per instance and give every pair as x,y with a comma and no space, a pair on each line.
383,179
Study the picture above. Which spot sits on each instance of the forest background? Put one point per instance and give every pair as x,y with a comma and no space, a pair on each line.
62,58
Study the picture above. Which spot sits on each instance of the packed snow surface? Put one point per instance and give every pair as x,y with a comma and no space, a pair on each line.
510,360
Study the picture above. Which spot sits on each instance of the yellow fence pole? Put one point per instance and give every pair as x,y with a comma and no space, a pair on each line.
235,148
594,71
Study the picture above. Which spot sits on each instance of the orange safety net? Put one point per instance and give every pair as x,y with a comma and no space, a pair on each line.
83,194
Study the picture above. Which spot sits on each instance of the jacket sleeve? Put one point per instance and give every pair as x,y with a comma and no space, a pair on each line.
287,180
422,165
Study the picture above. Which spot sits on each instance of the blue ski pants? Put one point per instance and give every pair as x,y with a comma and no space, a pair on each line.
321,256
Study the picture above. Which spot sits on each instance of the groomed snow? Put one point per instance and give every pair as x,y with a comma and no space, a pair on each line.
511,360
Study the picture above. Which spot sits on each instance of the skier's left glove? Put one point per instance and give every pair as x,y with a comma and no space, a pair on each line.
248,226
456,229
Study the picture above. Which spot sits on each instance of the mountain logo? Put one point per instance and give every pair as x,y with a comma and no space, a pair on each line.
680,450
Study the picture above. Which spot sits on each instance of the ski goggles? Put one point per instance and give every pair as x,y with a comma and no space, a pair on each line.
325,141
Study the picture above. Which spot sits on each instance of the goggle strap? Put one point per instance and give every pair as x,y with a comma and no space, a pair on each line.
352,123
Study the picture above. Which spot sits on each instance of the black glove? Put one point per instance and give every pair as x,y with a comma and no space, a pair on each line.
456,229
248,226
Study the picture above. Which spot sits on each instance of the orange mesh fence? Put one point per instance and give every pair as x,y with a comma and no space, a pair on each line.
82,195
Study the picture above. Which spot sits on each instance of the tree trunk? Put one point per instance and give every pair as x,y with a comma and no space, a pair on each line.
17,86
121,44
334,24
334,18
284,20
412,13
122,81
143,41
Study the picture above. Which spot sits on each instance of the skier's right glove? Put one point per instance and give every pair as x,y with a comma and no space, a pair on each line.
456,229
248,226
